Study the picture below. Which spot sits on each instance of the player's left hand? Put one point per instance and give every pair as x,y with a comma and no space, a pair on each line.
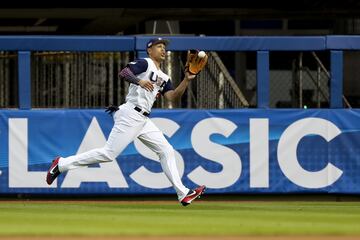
111,109
147,85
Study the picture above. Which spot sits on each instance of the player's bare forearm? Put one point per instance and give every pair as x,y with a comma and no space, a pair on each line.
179,91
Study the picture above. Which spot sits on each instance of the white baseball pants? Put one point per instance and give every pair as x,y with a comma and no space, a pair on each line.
129,124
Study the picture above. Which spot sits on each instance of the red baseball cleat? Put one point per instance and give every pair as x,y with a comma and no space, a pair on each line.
192,195
53,171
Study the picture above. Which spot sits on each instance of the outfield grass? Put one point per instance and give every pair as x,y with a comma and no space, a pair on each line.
169,218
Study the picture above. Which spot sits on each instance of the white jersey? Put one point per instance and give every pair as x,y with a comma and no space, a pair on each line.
146,69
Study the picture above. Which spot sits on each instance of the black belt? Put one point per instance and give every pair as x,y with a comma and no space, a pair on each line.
143,112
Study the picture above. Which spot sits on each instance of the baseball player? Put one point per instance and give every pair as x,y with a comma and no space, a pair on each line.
131,120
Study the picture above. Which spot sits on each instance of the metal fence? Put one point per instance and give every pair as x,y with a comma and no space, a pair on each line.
77,79
8,80
302,81
216,88
90,80
284,91
289,82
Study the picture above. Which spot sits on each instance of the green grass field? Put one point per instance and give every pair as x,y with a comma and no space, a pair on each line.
168,218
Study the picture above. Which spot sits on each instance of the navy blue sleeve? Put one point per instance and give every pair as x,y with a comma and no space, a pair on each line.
168,86
138,66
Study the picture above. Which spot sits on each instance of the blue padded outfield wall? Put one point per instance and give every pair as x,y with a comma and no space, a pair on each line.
233,151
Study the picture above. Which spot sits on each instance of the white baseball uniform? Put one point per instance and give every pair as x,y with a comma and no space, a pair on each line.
130,123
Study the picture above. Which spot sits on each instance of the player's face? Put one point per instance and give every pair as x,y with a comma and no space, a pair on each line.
158,52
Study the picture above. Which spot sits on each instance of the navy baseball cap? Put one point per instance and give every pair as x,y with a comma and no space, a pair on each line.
155,41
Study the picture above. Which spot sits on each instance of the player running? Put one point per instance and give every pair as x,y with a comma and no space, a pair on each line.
131,120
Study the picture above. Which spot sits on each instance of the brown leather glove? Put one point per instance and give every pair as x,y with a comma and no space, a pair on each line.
194,63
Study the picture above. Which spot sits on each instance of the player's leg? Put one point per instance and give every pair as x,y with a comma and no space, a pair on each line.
127,125
153,138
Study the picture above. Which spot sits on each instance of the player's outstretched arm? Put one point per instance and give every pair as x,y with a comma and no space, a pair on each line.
175,94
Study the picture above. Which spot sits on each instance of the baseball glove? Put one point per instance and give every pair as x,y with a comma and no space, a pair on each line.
194,63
